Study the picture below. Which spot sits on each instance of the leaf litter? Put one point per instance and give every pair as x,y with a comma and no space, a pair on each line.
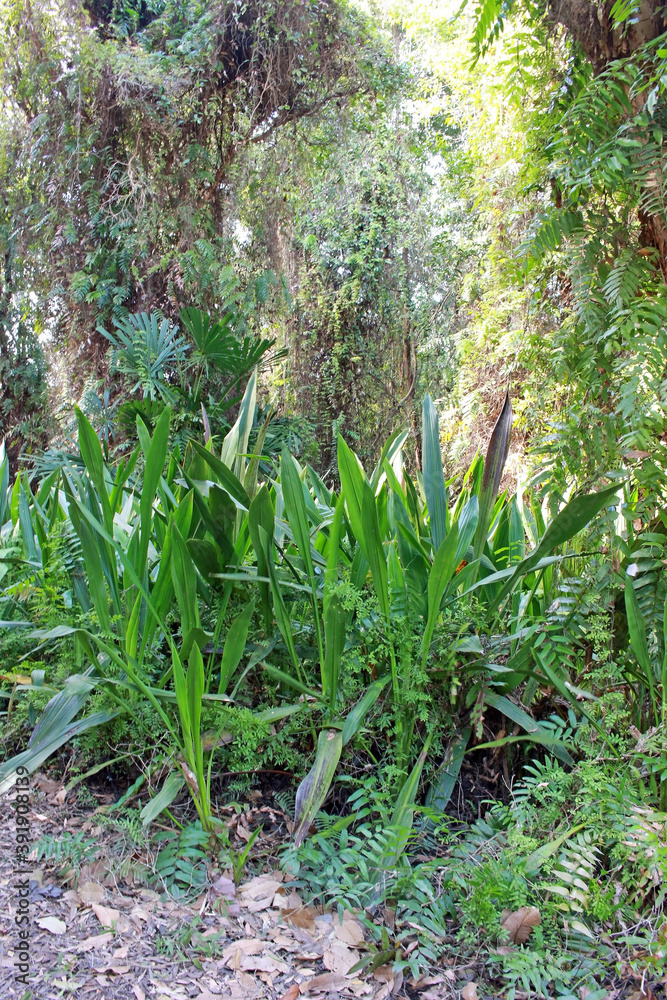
104,936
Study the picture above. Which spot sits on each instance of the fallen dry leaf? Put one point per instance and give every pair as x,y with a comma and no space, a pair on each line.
52,924
106,916
339,958
233,954
292,993
350,931
469,991
96,941
266,962
224,887
326,981
246,981
117,970
260,887
90,892
138,992
303,917
519,925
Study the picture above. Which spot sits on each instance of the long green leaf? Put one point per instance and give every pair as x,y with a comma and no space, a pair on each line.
155,460
374,549
195,682
185,581
261,516
572,519
352,480
638,636
235,646
91,452
282,617
163,799
441,791
441,573
434,479
334,644
494,463
357,715
224,475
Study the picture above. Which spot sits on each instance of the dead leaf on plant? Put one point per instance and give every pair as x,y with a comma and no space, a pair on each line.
519,925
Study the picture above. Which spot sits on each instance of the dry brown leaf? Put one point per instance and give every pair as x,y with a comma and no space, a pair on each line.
45,784
284,902
469,991
246,981
260,887
303,917
90,892
138,992
292,993
339,958
224,887
233,954
266,962
519,925
106,916
96,941
52,924
117,970
326,981
350,931
258,894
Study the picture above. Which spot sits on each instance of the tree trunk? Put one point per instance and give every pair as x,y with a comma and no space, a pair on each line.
591,26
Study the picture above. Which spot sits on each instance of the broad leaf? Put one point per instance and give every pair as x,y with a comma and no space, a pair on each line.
314,788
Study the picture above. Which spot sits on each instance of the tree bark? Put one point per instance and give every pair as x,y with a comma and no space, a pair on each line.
591,26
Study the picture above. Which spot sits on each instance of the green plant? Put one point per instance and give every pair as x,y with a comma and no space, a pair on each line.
69,850
240,858
180,865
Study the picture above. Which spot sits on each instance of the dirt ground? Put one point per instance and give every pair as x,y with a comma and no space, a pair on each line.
97,931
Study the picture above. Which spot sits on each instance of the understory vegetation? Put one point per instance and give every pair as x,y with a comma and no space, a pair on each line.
332,389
